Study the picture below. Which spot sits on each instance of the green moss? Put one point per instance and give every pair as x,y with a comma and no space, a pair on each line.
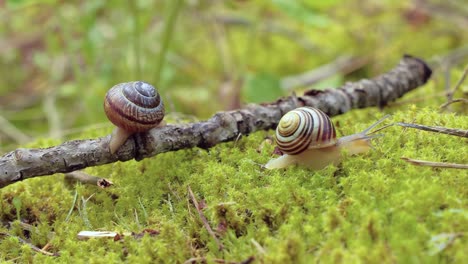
370,208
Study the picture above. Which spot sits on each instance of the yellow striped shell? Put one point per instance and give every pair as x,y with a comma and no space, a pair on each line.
304,128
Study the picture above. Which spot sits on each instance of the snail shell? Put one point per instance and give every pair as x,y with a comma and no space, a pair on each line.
304,128
134,106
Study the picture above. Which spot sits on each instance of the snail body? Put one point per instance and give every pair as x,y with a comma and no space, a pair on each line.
307,137
133,107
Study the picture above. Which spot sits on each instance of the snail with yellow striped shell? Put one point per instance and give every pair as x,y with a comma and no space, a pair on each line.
307,137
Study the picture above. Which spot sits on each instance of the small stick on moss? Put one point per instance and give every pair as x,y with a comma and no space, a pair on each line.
46,246
204,220
444,130
80,176
203,260
22,163
435,164
33,247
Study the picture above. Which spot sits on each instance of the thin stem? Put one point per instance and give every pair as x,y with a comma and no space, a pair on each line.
462,79
204,220
136,37
13,132
169,23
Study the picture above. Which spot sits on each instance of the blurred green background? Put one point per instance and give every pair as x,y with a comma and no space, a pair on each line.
58,58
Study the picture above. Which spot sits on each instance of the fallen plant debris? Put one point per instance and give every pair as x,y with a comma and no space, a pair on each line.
440,242
97,234
204,220
435,164
33,247
116,235
444,130
450,93
80,176
222,261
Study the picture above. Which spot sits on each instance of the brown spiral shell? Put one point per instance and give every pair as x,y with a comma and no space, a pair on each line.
303,128
134,106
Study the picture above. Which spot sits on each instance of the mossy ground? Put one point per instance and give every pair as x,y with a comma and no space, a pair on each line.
372,208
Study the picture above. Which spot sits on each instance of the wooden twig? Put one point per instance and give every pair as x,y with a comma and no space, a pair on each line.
74,155
444,130
435,164
204,220
85,178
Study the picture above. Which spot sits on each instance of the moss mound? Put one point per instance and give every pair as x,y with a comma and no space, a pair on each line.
372,208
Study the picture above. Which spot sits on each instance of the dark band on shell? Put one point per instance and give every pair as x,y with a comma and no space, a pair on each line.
134,106
303,128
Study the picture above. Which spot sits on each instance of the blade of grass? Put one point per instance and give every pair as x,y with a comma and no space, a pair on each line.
169,23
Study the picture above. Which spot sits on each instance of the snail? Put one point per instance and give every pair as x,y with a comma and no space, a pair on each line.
133,107
307,137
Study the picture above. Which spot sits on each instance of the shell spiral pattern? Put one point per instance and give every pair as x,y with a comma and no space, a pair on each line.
303,128
134,106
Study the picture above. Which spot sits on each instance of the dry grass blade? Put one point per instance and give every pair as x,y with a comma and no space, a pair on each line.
13,132
204,220
457,86
462,100
444,130
450,93
435,164
97,234
203,260
33,247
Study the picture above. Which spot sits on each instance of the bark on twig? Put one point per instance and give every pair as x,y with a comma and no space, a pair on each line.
73,155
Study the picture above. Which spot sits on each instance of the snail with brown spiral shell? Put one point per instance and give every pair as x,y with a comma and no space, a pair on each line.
133,107
307,137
